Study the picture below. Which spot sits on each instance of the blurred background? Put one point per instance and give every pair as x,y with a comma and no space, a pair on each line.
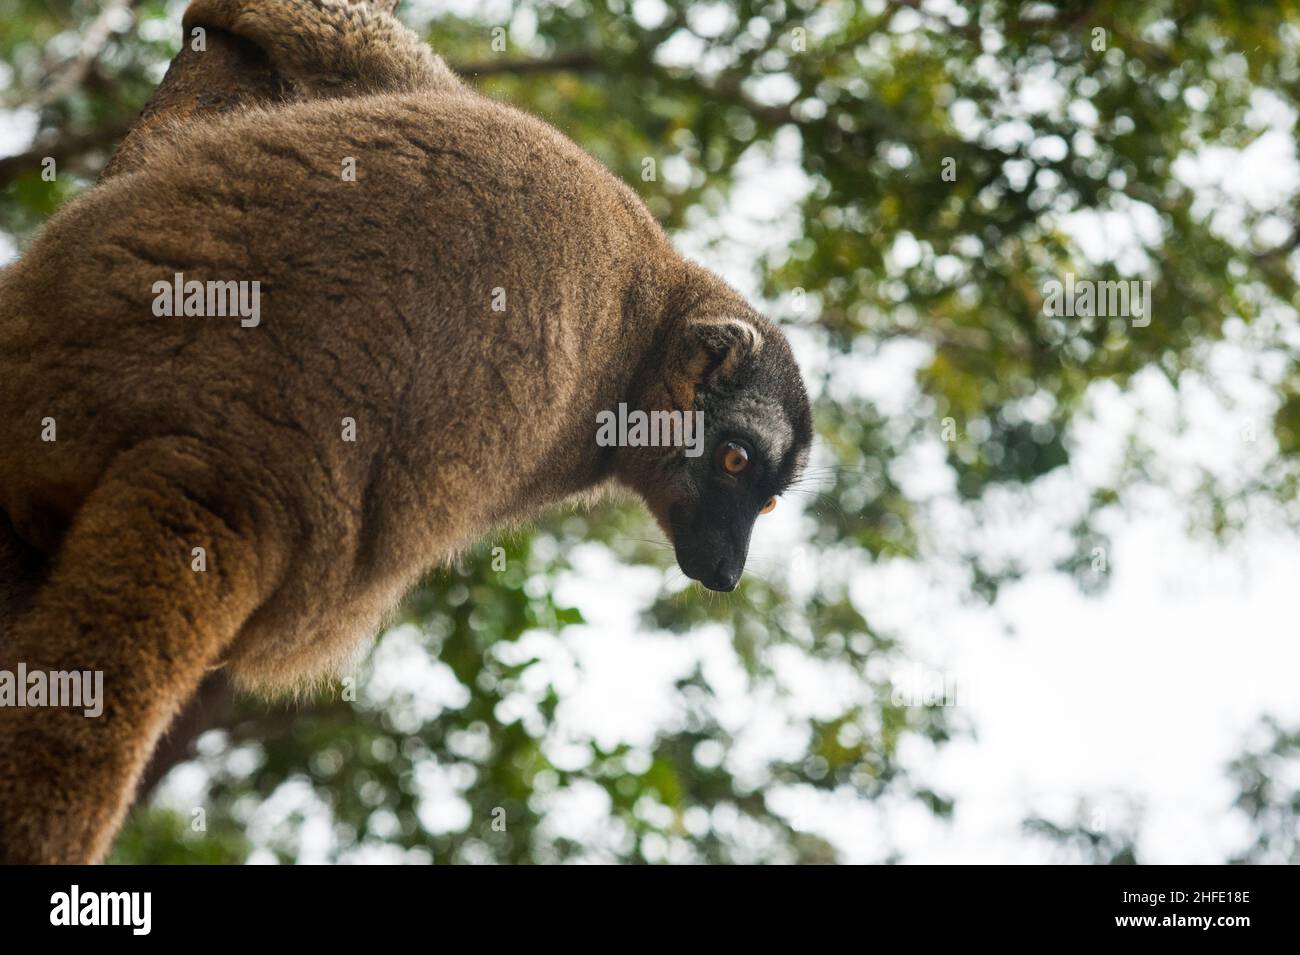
1034,599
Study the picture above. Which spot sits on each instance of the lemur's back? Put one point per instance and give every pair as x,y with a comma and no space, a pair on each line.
497,213
383,383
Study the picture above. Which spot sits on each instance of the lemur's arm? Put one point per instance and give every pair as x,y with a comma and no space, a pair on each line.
329,48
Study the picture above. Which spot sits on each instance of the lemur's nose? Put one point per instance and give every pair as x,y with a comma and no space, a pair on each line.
723,578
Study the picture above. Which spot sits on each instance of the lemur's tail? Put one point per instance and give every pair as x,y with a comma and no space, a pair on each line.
329,48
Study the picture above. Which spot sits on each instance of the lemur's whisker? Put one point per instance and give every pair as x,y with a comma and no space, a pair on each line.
644,540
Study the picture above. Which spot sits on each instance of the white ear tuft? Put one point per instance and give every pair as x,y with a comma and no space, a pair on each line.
754,337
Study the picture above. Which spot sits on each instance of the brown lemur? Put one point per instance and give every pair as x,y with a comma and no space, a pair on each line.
435,338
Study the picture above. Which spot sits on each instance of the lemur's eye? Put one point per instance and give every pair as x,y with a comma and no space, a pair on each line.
733,457
769,507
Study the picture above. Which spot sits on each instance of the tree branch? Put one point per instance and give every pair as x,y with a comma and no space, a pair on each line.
582,60
62,148
211,707
69,75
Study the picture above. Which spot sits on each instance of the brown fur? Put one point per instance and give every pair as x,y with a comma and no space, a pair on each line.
376,304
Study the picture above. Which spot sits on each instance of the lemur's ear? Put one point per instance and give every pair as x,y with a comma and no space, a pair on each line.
708,353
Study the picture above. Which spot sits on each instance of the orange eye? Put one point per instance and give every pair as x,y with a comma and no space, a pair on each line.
734,458
769,507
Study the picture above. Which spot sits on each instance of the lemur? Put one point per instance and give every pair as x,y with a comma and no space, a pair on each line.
436,335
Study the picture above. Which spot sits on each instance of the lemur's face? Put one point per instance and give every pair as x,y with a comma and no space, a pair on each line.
757,429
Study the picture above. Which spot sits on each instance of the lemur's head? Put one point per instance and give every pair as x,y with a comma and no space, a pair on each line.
734,377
